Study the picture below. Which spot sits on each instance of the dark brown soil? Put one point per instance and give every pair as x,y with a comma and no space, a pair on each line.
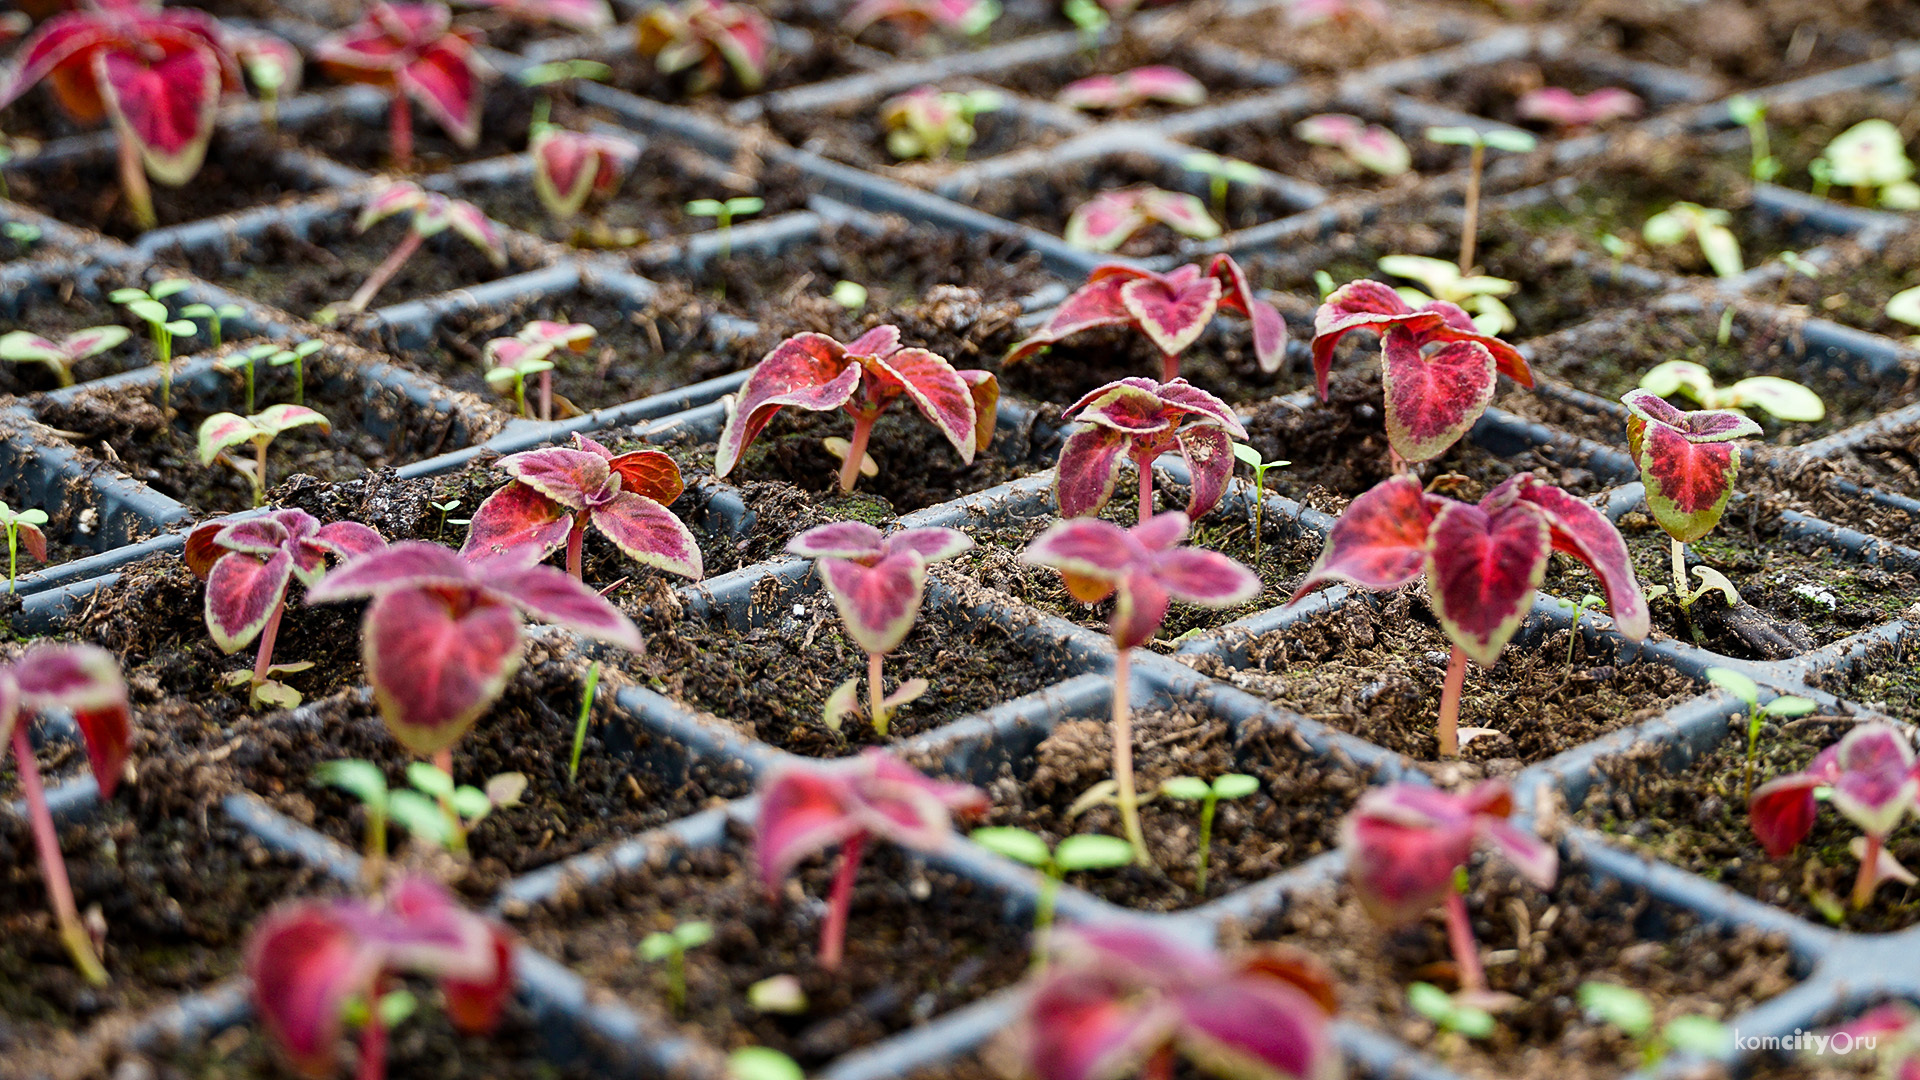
851,132
1018,18
1696,818
1747,44
61,309
1785,480
827,57
1856,292
650,206
1271,144
1539,947
1890,461
1327,47
919,942
506,110
1494,90
1883,680
1045,80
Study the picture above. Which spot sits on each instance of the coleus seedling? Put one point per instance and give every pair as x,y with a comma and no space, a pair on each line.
1478,294
1193,789
927,122
431,214
671,946
1782,399
581,16
1870,776
723,211
1748,692
313,964
1171,309
85,681
571,167
23,528
878,583
148,306
1432,398
815,372
225,430
1074,854
22,346
433,809
1154,84
1894,1032
512,359
1481,561
1871,158
1751,113
1569,111
1687,463
807,807
442,635
273,66
707,39
412,51
1124,999
1407,848
1111,218
248,565
1369,146
1708,227
1144,568
1478,142
1137,420
917,18
558,491
1345,14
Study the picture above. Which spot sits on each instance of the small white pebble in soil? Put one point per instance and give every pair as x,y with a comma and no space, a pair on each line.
799,611
1816,595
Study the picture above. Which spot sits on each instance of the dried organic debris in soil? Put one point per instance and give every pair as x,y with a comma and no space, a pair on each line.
1294,816
651,203
1375,667
1747,44
1694,815
1539,947
1326,48
920,942
1860,281
1883,679
1785,480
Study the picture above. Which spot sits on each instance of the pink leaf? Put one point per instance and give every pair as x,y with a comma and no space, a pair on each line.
393,198
443,79
1106,221
1329,129
933,543
855,540
565,169
470,222
348,539
1095,304
1095,92
1179,211
808,807
1209,455
807,370
882,341
1269,329
557,597
1782,811
1586,534
304,966
1370,305
518,518
1379,542
801,811
1084,1028
984,387
242,593
1207,578
33,539
84,679
571,478
165,104
1172,316
1089,466
1685,461
408,564
1404,841
649,534
1253,1026
1432,400
879,603
1483,569
1161,82
942,395
437,661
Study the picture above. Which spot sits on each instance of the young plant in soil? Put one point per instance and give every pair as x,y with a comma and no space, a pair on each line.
1363,147
1222,174
248,566
1432,398
1631,1012
926,122
147,306
1751,113
763,1063
1745,689
1477,294
434,809
317,965
557,492
878,584
576,16
1481,562
723,211
1456,1020
1478,142
1407,849
1124,1000
224,430
1870,158
25,347
157,73
1208,795
707,39
1144,567
526,353
1156,83
1253,461
85,681
671,947
1171,309
1574,113
1111,218
571,169
1903,306
1587,603
216,317
1782,399
806,808
274,67
412,51
1871,777
432,214
1073,854
1137,420
1349,16
23,527
816,373
1894,1029
587,694
1705,226
916,19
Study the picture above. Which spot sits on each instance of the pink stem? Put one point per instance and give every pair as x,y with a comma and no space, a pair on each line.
546,394
1466,954
385,271
1449,728
850,468
1145,469
1122,733
400,131
876,711
576,541
52,866
833,932
264,658
1169,367
373,1040
1869,879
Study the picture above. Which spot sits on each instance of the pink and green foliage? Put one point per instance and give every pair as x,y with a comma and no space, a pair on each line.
1145,566
1405,844
1122,1000
1171,309
814,372
312,962
1111,218
1687,461
157,73
707,39
917,18
1872,779
1895,1031
249,564
557,492
1159,83
570,167
806,808
60,356
512,359
1369,146
582,16
1565,109
224,430
1137,420
432,214
412,51
85,681
442,635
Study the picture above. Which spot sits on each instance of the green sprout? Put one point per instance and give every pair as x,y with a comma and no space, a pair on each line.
442,813
247,360
1252,457
146,305
1751,113
671,946
514,375
723,213
1631,1012
1194,789
1707,226
445,508
1587,603
1904,306
1821,172
297,356
1871,158
215,316
1616,247
1783,399
850,295
1757,714
22,524
224,430
558,73
1796,265
1478,294
1323,284
781,994
1512,142
20,232
1454,1018
1081,851
586,710
1090,18
364,781
1220,173
762,1063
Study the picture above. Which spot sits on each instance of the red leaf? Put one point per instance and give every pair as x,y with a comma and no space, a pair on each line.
242,592
942,395
1269,329
1587,535
165,104
518,519
571,478
1782,811
1433,400
1209,455
1379,542
86,680
1173,310
878,603
1095,304
1482,571
810,371
649,534
438,659
1088,469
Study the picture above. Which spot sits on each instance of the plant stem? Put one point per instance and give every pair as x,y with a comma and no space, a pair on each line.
1169,366
259,472
133,184
383,273
580,727
52,866
1470,226
1466,954
677,980
1753,737
400,131
1449,726
443,759
546,394
13,555
1043,912
250,409
875,709
1123,756
1869,878
373,1039
263,659
833,932
1573,636
576,541
1259,506
856,453
1145,469
1207,807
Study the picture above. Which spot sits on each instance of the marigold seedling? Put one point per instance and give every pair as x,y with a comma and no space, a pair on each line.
1193,789
1871,777
147,306
1478,142
1631,1012
21,346
1751,113
807,807
1478,294
1871,158
1362,146
580,725
224,430
1137,420
1573,113
763,1063
1157,83
926,122
707,40
1111,218
723,211
671,946
431,214
1074,854
412,51
1251,457
1707,227
1748,692
1448,1013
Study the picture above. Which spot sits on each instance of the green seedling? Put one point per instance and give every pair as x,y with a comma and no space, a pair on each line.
850,295
723,212
364,781
297,356
671,946
1091,19
445,508
558,75
1617,248
1747,691
442,813
1796,265
1081,851
501,376
20,232
1252,458
1323,284
586,710
248,360
60,356
1751,113
1194,789
1904,306
1220,173
1477,141
222,431
1871,158
1587,603
1706,226
22,526
146,305
781,995
1631,1012
1478,294
215,317
1454,1018
762,1063
1783,399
